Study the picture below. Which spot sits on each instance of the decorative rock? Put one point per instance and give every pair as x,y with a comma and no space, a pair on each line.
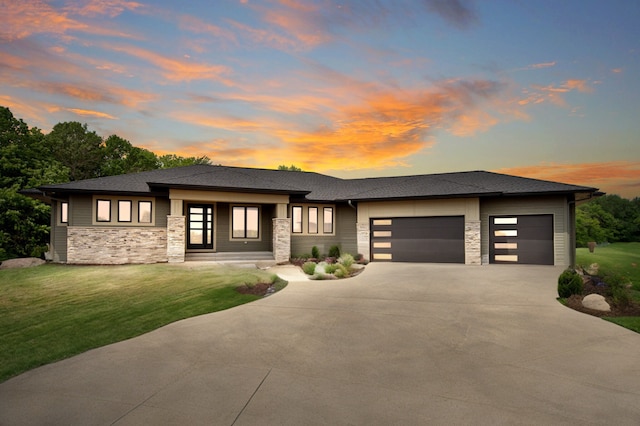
26,262
596,302
593,269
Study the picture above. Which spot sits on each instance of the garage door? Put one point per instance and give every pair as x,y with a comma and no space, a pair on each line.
418,239
521,239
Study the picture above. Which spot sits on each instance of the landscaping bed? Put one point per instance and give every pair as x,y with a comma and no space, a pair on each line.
593,286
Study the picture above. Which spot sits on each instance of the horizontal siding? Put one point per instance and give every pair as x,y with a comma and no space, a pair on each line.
557,206
80,210
345,236
163,209
57,236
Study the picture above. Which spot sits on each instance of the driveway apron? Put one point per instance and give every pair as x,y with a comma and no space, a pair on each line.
398,344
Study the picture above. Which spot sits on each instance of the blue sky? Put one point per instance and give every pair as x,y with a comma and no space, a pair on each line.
545,89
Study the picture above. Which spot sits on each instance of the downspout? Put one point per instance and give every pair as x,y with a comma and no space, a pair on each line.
351,205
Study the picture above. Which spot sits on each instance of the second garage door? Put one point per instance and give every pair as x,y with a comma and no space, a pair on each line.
438,239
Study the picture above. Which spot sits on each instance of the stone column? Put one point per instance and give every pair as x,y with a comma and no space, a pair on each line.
281,239
472,246
363,238
175,238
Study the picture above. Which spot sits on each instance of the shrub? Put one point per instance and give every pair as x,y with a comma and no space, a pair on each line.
309,268
315,253
618,288
569,283
341,271
346,260
334,251
331,268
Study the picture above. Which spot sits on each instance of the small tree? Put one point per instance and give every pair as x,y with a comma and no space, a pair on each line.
290,168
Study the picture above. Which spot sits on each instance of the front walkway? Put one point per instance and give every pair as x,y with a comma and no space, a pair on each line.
398,344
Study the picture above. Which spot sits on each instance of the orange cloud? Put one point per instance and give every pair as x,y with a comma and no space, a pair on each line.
90,113
379,127
176,70
24,18
618,177
554,94
111,8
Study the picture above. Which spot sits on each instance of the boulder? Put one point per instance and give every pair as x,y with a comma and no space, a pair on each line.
593,269
596,302
26,262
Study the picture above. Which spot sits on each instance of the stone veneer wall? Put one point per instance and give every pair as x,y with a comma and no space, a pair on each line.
109,245
281,239
175,238
363,241
472,246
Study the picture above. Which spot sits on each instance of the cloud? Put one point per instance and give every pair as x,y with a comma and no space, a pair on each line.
27,17
379,126
554,94
110,8
90,113
457,12
618,177
176,70
538,66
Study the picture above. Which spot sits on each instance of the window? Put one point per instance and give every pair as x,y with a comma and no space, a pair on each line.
64,212
124,211
313,220
296,219
144,211
103,212
328,220
245,222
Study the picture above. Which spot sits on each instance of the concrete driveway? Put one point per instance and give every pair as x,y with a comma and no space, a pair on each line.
399,344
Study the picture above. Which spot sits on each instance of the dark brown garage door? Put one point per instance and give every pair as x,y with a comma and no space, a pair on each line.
521,239
418,239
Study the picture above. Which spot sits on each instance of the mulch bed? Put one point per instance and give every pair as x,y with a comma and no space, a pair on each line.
259,289
575,302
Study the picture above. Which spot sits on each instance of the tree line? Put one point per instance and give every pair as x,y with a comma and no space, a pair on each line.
29,158
608,219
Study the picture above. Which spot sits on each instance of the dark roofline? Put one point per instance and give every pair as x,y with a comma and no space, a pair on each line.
226,188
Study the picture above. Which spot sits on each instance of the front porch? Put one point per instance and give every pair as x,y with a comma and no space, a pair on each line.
228,227
265,258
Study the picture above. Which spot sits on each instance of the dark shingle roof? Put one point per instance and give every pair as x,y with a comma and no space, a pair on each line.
318,187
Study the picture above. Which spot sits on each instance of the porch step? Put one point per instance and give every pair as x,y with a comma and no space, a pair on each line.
250,257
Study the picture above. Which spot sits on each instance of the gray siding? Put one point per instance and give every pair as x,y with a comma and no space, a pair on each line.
555,205
80,210
223,228
345,236
57,236
163,209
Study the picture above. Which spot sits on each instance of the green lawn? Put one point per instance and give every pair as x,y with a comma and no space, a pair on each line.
52,312
624,259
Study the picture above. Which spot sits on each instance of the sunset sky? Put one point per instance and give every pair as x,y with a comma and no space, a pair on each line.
540,88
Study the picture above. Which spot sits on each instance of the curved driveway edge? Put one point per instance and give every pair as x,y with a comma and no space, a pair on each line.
398,344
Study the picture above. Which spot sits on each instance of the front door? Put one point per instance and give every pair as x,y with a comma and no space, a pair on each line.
200,226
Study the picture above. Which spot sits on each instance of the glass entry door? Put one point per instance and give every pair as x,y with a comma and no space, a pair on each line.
200,226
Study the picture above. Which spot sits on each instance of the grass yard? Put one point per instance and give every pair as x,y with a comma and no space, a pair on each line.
52,312
624,259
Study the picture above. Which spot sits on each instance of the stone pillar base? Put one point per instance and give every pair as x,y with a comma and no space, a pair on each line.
281,239
472,246
175,239
363,239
